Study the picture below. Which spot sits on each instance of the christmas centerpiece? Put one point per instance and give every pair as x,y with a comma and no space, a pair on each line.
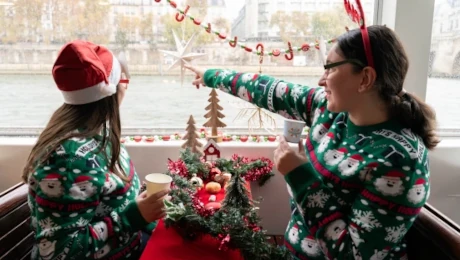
234,221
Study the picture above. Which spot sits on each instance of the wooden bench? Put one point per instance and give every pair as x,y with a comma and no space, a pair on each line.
16,236
433,235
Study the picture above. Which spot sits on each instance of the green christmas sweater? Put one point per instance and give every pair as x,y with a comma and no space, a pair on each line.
79,209
363,186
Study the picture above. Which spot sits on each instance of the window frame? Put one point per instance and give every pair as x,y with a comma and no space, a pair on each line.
414,29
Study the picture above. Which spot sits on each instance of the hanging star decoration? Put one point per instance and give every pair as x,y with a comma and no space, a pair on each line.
182,54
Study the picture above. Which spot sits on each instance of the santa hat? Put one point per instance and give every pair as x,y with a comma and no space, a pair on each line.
372,165
86,72
354,225
356,157
342,150
108,222
419,182
81,179
311,238
93,233
295,226
326,125
394,175
52,177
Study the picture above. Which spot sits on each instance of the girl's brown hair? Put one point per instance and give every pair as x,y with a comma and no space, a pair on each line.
102,116
391,66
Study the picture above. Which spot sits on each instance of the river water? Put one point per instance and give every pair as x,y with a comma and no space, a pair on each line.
159,101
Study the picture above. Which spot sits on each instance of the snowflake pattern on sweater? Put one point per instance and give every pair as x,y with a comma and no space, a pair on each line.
363,186
79,209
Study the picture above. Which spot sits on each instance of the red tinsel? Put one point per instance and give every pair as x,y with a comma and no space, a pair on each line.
178,167
251,225
199,207
224,240
257,173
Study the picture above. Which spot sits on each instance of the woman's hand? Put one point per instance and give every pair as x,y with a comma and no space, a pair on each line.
152,207
287,159
198,77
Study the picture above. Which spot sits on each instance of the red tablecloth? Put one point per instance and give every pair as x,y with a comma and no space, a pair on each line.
167,244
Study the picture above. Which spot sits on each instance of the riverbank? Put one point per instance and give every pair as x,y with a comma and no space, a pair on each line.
156,70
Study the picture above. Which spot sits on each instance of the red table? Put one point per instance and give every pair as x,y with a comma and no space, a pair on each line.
167,244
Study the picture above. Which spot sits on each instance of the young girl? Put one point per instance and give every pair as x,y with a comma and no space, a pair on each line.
362,176
83,187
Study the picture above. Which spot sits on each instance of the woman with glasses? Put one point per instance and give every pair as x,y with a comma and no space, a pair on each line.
362,176
83,187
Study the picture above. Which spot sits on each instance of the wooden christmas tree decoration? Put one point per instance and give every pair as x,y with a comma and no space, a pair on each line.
192,137
214,116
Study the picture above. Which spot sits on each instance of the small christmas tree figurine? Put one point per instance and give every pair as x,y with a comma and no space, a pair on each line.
192,136
213,116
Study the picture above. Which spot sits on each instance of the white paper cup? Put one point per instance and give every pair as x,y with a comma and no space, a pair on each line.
156,182
293,130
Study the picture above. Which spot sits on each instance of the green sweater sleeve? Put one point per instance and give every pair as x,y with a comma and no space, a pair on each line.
369,230
293,101
73,213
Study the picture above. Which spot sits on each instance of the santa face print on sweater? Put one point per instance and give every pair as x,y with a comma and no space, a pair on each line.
417,193
281,89
350,165
110,184
102,252
334,229
325,142
46,249
100,231
294,234
51,185
334,156
82,188
390,184
244,94
316,114
310,246
246,77
319,131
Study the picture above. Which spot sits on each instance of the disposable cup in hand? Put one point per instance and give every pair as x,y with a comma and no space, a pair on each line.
293,130
156,182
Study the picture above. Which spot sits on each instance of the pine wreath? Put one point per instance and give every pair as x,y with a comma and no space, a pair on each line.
236,224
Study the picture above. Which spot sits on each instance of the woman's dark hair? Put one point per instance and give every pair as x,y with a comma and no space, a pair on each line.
102,116
391,65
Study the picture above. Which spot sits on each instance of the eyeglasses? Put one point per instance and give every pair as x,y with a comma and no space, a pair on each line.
335,64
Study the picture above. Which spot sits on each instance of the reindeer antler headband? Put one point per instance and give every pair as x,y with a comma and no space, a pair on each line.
357,16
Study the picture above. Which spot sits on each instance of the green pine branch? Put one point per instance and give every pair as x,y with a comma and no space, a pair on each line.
237,218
